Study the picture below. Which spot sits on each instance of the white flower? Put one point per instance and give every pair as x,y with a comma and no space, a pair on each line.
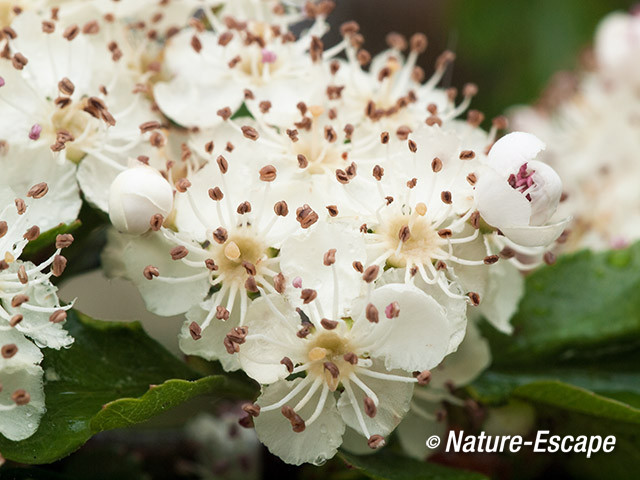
519,194
67,92
617,45
136,195
365,348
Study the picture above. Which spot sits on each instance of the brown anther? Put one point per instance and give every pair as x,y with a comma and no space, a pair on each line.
334,67
332,210
224,113
332,368
71,32
247,420
231,348
210,264
243,208
182,185
306,216
58,266
472,179
342,176
330,134
302,107
9,350
279,283
446,197
396,41
384,138
66,86
288,412
507,252
444,59
252,409
440,265
405,233
62,102
32,233
4,228
349,28
371,313
444,233
348,131
21,397
215,194
251,285
21,206
249,267
250,133
150,271
222,313
474,219
413,147
22,275
143,159
196,44
58,316
418,42
220,235
91,27
208,147
417,74
436,165
223,165
248,94
149,126
376,441
308,295
19,61
234,61
378,172
157,140
304,331
433,120
179,252
48,26
19,300
364,228
549,258
403,132
238,334
475,298
302,161
491,259
370,407
195,331
268,173
329,257
363,57
328,324
315,49
38,191
15,320
225,38
424,377
281,208
475,117
351,358
371,273
357,266
467,155
351,170
500,122
470,90
412,183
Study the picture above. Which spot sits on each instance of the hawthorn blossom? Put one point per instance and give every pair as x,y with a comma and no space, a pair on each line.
519,194
31,316
356,355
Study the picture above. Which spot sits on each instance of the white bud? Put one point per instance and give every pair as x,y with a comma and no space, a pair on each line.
135,196
519,194
617,45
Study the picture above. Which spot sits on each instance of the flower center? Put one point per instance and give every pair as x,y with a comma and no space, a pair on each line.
412,238
74,120
522,180
241,254
326,352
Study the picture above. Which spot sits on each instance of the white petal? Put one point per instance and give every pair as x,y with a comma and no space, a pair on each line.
415,429
162,298
302,256
498,203
259,358
316,444
504,289
534,236
394,398
22,421
546,195
417,339
514,149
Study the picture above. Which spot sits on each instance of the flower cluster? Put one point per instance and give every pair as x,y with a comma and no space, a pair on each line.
327,220
590,123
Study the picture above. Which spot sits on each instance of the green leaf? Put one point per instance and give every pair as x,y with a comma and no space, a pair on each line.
48,238
387,465
113,376
583,307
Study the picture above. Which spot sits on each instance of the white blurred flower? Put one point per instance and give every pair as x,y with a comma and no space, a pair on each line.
617,45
